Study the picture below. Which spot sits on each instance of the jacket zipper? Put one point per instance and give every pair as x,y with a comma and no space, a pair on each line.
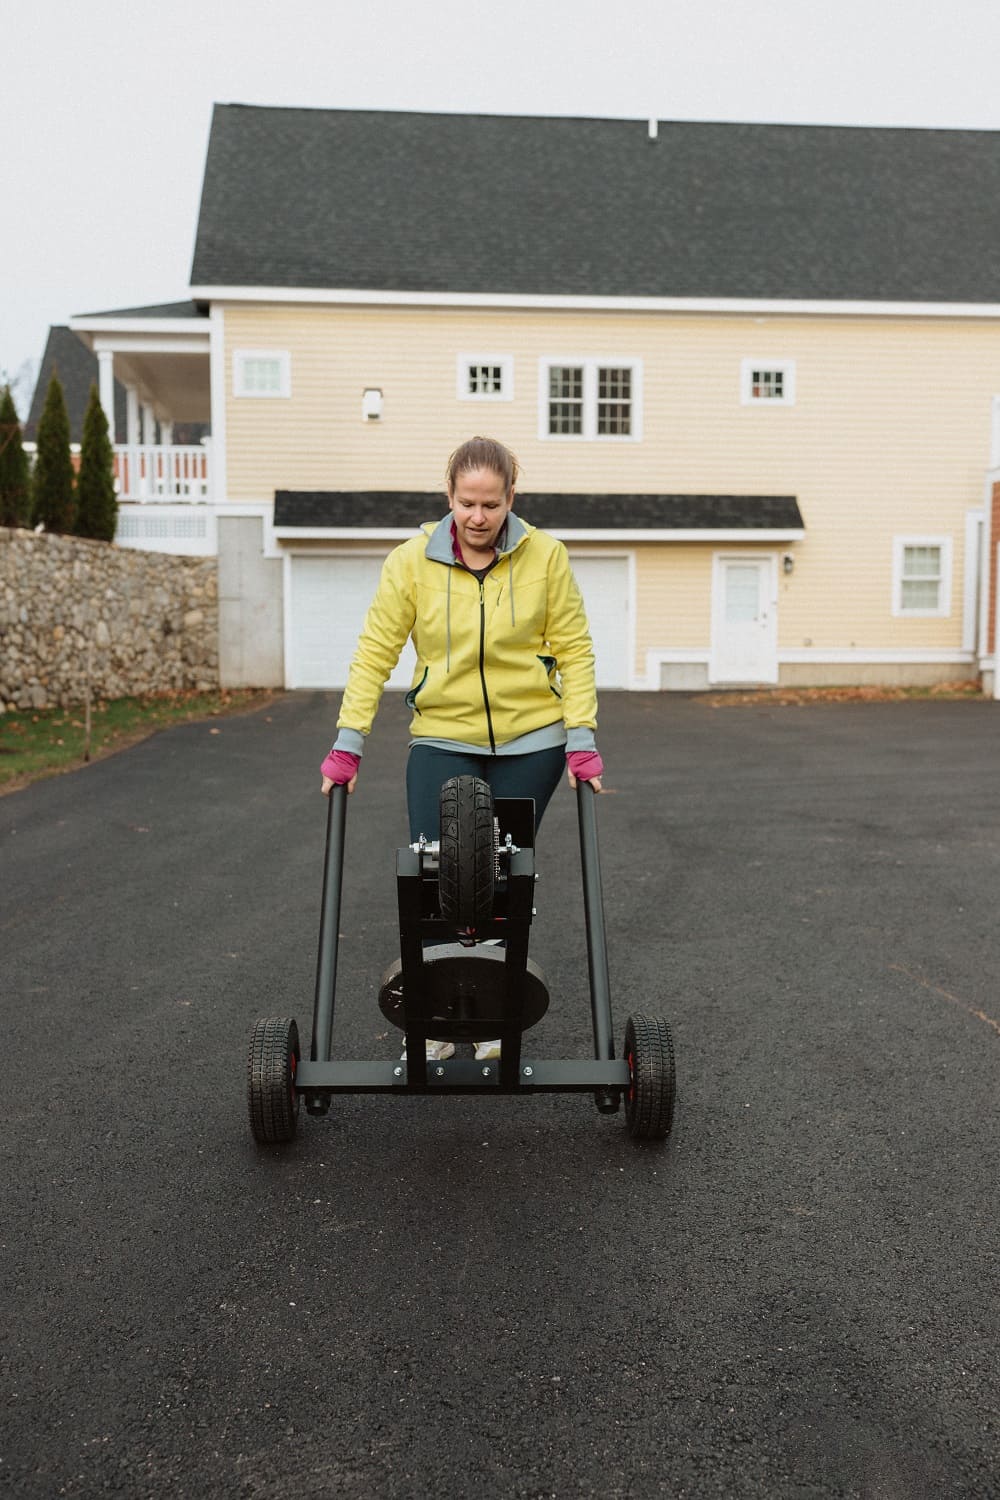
482,664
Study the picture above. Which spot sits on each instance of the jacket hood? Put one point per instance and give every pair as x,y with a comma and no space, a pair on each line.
439,547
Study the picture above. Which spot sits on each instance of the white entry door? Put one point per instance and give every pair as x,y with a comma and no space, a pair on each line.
744,620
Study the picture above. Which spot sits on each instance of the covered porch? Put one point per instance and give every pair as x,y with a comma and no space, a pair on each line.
161,357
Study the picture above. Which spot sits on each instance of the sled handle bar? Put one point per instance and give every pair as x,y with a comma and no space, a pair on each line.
329,925
593,910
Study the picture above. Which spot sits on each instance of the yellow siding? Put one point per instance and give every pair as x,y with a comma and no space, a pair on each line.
889,434
673,598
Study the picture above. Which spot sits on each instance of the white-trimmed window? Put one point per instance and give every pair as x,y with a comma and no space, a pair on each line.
767,382
592,399
485,377
921,575
262,372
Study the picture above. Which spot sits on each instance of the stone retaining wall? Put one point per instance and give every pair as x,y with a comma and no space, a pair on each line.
152,620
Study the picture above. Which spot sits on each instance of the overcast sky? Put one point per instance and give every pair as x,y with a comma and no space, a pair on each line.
106,103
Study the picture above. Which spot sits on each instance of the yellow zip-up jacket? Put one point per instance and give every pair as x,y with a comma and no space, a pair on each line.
496,659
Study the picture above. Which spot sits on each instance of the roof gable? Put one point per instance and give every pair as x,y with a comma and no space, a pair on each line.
381,201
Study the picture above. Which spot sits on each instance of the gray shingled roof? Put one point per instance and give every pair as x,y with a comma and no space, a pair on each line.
187,309
374,509
507,204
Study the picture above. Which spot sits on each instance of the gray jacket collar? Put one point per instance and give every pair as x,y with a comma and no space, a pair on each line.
439,548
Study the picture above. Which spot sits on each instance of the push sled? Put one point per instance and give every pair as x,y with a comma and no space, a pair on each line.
466,903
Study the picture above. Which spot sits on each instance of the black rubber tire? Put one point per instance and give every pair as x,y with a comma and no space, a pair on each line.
272,1098
649,1101
468,852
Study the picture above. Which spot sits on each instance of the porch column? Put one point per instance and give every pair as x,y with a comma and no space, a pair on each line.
166,432
106,387
148,421
131,416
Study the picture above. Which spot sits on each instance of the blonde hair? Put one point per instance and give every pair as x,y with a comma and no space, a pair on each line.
482,453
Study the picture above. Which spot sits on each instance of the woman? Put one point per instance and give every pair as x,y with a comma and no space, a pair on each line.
504,682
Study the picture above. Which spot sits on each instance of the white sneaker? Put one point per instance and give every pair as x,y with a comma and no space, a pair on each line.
486,1051
438,1051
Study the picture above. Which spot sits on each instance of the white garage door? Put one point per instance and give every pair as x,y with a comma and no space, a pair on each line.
604,584
328,600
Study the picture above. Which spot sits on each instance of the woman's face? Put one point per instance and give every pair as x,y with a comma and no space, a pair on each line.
479,504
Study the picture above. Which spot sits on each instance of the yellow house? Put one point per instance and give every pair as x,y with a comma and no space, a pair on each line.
752,375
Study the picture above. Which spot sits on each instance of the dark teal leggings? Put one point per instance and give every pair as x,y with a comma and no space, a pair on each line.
535,775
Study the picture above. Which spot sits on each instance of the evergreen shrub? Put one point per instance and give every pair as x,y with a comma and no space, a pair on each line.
96,501
53,500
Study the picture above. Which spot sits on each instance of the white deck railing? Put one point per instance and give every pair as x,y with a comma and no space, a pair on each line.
153,471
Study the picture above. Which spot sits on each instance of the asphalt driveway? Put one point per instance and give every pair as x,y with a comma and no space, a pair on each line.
796,1296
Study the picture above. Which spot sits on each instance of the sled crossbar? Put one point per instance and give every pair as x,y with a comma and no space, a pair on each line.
462,1076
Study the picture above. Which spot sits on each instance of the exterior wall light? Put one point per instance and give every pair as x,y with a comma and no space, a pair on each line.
787,564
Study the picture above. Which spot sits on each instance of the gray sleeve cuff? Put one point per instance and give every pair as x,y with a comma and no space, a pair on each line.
580,739
351,740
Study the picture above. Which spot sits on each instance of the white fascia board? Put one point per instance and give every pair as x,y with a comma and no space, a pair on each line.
691,534
564,533
159,343
139,325
753,306
345,533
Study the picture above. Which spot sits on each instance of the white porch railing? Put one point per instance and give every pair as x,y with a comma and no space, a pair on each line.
154,471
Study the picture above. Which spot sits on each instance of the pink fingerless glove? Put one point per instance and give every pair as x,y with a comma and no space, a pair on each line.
341,766
585,764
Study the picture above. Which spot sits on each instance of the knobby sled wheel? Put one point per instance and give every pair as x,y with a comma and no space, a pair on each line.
272,1098
649,1102
467,860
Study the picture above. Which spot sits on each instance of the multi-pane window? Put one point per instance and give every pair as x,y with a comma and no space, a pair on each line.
566,399
485,377
261,377
614,401
767,381
262,372
922,576
767,385
589,398
485,380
